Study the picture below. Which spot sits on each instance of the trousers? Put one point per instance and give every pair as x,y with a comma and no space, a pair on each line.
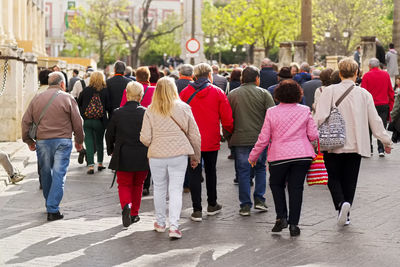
94,135
383,112
343,172
130,187
168,175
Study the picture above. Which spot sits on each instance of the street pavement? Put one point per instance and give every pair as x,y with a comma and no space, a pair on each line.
91,233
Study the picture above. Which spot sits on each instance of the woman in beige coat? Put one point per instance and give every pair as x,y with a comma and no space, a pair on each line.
171,133
358,111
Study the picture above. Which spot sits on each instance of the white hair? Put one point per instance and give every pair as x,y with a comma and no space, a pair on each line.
374,62
56,78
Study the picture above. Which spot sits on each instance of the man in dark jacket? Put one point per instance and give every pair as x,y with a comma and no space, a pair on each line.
116,86
304,74
268,76
310,87
219,80
249,104
185,76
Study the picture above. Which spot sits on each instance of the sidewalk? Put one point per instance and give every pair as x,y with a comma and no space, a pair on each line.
92,235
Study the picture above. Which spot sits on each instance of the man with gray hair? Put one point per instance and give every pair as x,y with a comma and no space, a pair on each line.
310,87
128,73
116,86
218,79
268,76
57,116
377,82
185,76
304,74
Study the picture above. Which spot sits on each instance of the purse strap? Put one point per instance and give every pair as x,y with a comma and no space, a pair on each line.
47,106
178,125
344,95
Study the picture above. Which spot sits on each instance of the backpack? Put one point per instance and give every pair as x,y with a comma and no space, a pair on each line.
95,108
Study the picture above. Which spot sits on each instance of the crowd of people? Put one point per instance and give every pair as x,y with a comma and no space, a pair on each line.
164,128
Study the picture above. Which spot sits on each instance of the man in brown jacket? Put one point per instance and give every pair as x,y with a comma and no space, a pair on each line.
53,142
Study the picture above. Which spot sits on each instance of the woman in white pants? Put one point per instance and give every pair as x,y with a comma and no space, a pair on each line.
171,133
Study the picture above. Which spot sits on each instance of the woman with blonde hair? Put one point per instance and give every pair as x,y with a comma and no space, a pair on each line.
129,155
171,134
93,103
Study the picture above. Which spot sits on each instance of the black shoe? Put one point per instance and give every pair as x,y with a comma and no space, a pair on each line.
279,225
202,178
90,171
54,216
251,182
135,218
126,216
236,181
145,192
82,155
100,168
294,230
231,156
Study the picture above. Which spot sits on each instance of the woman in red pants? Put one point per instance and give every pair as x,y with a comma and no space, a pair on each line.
129,155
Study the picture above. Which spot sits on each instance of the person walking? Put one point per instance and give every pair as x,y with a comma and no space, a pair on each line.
325,78
210,108
268,76
116,86
304,74
73,80
288,131
310,87
13,175
391,63
378,83
357,55
359,112
81,84
219,80
171,134
93,103
129,155
185,76
249,104
235,79
53,142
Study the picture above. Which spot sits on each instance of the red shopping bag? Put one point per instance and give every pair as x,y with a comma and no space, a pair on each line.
317,173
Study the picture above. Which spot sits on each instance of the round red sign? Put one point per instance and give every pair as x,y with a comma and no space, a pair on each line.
193,45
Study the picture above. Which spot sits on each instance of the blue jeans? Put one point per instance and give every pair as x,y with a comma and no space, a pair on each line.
243,172
53,158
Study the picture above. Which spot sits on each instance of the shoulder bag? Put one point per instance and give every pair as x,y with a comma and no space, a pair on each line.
33,127
332,132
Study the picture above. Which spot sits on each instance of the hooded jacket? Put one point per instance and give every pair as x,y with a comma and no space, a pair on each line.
210,108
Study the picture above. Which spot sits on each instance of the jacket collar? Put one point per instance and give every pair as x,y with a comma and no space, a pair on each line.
132,103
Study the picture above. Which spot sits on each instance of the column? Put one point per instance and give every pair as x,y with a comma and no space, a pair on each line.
29,20
11,99
17,20
285,54
24,19
300,52
35,27
2,37
30,79
368,51
8,21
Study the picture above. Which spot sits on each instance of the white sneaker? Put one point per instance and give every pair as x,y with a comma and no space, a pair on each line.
347,222
159,228
381,154
174,233
344,211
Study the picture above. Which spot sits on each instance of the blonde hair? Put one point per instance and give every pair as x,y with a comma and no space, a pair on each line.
164,97
97,81
347,67
134,91
202,70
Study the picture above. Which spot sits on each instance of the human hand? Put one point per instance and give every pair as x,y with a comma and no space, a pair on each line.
78,147
32,147
194,164
388,149
252,163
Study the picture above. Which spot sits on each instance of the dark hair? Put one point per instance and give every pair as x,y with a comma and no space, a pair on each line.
250,74
119,67
76,71
44,76
154,74
335,78
236,74
288,91
391,46
325,76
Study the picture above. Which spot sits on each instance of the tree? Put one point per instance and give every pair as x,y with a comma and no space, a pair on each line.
136,37
355,17
396,23
95,27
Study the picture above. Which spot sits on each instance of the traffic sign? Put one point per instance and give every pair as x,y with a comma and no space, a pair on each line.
192,45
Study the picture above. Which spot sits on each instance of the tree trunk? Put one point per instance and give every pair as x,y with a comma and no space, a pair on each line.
396,26
306,28
101,53
266,50
251,53
135,57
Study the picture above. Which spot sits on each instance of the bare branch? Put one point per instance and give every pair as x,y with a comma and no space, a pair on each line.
155,35
124,35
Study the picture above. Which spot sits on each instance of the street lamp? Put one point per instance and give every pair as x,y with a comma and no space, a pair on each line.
243,49
327,34
207,40
346,34
215,39
234,49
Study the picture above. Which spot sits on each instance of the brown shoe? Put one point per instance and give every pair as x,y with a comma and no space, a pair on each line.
186,190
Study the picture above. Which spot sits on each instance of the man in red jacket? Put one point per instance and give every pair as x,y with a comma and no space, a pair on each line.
210,108
378,83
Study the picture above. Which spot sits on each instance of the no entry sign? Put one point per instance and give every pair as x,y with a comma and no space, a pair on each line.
192,45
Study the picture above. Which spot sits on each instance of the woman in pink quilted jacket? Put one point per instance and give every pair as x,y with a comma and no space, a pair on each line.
288,131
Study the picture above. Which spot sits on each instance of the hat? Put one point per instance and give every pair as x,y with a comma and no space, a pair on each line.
285,73
89,70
